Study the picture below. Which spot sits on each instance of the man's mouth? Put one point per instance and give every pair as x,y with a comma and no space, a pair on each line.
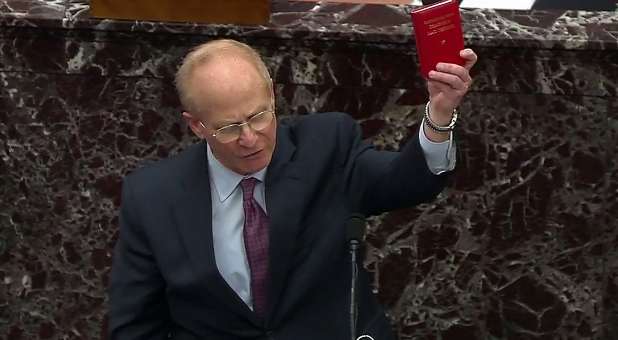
252,155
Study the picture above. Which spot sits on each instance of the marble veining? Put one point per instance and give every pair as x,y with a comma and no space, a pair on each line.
523,243
350,22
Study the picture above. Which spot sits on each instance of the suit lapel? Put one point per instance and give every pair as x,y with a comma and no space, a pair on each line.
283,201
193,213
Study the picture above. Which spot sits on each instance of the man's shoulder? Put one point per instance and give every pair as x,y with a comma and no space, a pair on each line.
162,170
326,119
322,138
321,125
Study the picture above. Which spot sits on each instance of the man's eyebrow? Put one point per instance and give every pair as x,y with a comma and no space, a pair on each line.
226,122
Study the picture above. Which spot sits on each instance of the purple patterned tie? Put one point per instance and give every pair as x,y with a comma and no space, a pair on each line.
256,244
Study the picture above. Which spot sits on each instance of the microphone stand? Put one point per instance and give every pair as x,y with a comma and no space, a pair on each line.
355,227
354,246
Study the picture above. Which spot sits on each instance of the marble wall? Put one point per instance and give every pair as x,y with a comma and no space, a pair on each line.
522,244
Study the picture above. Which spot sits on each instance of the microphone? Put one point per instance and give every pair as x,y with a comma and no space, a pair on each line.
355,228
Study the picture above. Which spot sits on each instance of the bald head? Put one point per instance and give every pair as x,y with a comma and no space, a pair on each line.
218,73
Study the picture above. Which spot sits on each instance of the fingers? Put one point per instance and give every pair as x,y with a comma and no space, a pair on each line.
469,56
454,76
440,86
449,83
456,70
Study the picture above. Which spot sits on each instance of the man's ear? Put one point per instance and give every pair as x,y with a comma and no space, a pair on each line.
194,124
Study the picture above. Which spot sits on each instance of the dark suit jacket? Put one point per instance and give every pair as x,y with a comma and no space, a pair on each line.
164,277
586,5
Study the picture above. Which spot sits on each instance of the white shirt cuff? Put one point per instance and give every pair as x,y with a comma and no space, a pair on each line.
440,157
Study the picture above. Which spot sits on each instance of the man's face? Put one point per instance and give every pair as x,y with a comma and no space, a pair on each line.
253,150
240,94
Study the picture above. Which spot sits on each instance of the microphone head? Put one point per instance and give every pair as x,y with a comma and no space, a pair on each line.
355,227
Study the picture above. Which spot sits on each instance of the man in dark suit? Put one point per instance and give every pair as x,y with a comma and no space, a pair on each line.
242,237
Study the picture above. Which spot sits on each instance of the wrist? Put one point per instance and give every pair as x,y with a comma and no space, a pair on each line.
439,116
437,126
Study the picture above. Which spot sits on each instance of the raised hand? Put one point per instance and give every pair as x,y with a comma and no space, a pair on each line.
448,84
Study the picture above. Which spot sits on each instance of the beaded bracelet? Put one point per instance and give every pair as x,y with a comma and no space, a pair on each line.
432,125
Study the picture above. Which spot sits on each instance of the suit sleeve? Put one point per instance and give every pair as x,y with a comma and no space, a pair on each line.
138,308
380,181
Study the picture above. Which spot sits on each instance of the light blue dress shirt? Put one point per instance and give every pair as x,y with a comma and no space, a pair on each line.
440,157
228,219
228,214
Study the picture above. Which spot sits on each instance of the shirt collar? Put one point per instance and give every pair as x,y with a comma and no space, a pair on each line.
224,179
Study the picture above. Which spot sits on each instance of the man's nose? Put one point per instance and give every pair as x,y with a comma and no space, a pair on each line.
248,137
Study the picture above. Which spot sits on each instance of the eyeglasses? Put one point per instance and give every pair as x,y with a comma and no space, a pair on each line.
232,132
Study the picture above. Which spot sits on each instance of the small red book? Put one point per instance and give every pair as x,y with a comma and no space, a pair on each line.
439,38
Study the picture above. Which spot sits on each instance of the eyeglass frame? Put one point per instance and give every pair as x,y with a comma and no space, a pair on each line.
240,125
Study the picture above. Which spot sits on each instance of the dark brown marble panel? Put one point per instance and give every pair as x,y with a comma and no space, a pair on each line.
610,296
360,102
348,22
522,245
522,242
67,143
32,50
590,73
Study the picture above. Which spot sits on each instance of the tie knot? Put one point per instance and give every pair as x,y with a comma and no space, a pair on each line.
247,185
